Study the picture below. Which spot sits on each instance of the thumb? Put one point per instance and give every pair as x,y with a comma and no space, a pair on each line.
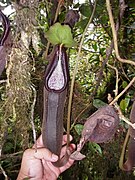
43,153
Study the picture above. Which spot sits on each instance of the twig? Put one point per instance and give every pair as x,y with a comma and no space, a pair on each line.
122,117
3,81
3,172
57,11
5,156
118,96
114,102
127,61
123,151
32,116
87,106
110,48
75,71
124,73
117,78
126,88
55,18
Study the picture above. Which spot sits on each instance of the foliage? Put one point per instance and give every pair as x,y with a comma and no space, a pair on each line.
60,34
32,27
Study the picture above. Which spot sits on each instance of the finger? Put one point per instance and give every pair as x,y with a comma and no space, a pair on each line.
71,148
70,162
65,139
49,170
67,165
42,153
39,142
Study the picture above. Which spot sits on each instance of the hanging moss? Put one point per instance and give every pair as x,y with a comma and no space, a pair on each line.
18,94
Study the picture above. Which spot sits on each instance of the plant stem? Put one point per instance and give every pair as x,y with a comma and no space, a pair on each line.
115,36
75,71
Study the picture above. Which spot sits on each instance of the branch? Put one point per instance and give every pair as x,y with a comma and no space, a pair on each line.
110,48
13,155
32,117
3,81
117,107
79,115
75,70
117,78
121,161
114,33
127,87
55,19
3,172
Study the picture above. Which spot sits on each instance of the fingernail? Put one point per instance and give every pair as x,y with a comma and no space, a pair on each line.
72,147
54,157
70,137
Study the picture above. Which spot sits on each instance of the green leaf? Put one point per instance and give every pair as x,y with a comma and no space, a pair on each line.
94,47
98,103
102,50
8,147
95,147
78,128
85,10
133,26
104,19
124,104
124,84
60,34
76,5
83,23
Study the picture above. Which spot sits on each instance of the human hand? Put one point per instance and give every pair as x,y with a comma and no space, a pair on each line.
38,166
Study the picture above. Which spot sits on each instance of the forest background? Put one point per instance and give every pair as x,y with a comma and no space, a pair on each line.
100,76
